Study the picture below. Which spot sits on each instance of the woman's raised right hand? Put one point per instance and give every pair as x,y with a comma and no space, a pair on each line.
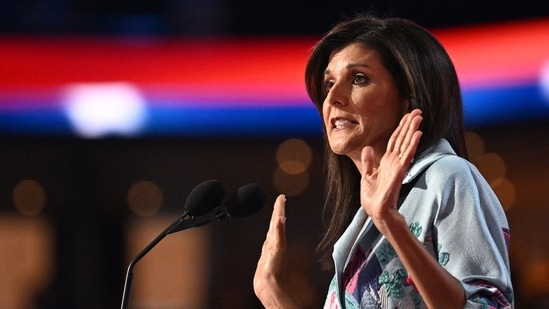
270,284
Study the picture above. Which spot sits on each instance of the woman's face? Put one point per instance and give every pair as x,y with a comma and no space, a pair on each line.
363,105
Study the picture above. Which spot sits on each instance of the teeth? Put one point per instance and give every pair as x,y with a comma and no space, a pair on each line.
340,123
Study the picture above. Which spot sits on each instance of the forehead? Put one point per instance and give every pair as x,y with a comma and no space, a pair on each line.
351,55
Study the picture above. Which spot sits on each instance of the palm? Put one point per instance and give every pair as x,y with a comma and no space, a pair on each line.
380,186
269,279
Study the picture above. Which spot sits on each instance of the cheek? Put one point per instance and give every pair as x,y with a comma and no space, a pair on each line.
325,114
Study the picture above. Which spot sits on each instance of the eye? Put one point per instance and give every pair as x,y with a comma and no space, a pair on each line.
360,79
328,84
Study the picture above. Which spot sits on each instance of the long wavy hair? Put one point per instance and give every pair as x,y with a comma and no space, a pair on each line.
422,71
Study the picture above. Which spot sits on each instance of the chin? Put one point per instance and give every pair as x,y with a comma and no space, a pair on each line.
339,150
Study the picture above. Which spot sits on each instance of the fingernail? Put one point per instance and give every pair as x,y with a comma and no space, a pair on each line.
283,220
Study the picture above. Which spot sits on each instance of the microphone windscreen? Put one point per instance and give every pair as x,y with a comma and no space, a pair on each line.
205,197
247,200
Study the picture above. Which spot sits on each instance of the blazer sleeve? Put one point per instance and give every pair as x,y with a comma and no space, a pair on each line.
471,233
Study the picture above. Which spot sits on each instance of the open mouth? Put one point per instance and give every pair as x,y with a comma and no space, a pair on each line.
340,123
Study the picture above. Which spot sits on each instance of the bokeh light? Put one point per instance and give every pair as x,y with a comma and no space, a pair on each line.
290,184
294,156
474,144
144,198
505,190
29,197
291,176
493,167
102,109
544,80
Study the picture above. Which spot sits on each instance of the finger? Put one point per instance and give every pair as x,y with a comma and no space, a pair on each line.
411,126
395,141
279,211
393,138
367,159
276,235
401,138
416,137
411,139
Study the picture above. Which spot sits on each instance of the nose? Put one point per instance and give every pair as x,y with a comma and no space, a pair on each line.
336,96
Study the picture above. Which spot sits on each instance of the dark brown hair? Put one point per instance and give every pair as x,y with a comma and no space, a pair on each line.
422,71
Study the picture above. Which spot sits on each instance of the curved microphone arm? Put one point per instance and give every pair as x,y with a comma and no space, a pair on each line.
180,224
203,198
247,200
129,273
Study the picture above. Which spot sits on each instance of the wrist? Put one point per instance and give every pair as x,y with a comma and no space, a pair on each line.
391,223
277,296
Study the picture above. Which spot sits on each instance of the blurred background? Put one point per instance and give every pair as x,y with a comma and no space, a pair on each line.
111,112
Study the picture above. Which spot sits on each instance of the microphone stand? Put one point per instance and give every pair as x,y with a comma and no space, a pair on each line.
179,225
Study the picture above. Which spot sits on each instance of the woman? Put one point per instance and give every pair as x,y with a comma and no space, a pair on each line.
412,224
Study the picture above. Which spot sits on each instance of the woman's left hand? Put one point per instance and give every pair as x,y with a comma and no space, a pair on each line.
380,187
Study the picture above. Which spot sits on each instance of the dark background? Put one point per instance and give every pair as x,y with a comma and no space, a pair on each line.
244,17
86,179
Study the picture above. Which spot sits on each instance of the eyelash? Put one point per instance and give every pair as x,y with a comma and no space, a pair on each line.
360,76
328,85
355,81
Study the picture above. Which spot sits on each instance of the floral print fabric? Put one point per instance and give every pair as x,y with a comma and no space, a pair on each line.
453,212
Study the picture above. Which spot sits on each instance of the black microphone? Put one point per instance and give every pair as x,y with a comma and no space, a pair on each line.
246,201
203,199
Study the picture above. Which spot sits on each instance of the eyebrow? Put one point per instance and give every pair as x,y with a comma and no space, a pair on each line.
350,66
